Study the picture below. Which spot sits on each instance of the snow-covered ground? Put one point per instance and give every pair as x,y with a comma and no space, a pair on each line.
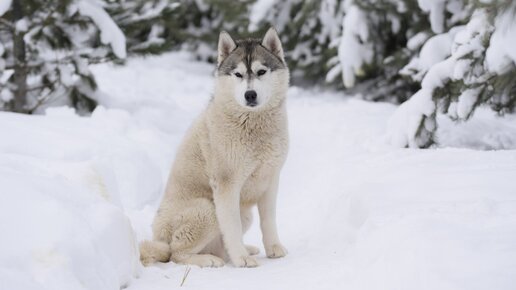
78,193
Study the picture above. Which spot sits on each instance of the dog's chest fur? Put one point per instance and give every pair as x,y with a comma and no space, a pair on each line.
254,145
255,186
266,159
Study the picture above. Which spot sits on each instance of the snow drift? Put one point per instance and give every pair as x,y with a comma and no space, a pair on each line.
354,212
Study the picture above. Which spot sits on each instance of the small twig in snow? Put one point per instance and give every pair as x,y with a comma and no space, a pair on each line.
187,271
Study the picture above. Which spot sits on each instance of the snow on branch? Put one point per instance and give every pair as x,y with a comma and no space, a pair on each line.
501,54
354,48
436,9
4,6
110,33
454,85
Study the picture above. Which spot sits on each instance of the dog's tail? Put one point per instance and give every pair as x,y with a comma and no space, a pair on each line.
154,251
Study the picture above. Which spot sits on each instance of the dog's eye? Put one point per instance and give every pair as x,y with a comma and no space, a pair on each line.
261,72
238,75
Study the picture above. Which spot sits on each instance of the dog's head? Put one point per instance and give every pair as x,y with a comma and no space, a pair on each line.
252,72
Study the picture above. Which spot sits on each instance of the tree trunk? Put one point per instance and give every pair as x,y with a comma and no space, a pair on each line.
20,67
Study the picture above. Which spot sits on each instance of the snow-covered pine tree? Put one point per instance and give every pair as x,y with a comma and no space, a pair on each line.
307,29
373,47
151,26
470,66
206,18
46,47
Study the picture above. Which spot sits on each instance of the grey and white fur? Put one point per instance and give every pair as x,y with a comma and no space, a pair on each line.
229,161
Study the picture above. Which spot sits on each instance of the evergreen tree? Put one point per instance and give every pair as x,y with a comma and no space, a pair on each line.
480,69
46,47
202,21
150,26
373,47
157,26
308,30
382,49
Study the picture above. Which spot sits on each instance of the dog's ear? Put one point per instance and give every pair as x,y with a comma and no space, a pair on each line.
226,46
272,42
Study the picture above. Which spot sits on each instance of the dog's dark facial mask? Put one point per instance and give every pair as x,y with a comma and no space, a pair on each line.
247,51
250,62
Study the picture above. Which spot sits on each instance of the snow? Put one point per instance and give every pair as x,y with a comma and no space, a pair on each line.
353,211
258,12
416,41
436,10
414,121
4,6
330,16
22,25
110,33
404,124
467,100
152,10
354,50
434,50
68,226
501,55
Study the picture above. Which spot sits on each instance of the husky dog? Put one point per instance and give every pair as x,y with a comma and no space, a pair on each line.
229,161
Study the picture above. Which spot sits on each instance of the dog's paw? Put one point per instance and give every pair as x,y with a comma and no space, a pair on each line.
245,262
200,260
146,261
216,262
252,250
276,251
205,261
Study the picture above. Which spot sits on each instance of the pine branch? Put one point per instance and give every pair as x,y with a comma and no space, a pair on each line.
65,60
8,24
40,101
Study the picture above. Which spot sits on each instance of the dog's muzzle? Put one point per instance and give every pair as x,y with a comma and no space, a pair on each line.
250,98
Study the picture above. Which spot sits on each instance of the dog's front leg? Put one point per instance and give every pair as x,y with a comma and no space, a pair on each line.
227,204
267,210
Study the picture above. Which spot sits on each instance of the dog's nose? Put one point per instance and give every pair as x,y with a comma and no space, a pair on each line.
250,97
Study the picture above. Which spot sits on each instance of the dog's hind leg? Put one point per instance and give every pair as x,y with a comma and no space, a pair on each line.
196,227
246,215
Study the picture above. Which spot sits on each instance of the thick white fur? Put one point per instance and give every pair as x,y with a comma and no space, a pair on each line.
229,161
